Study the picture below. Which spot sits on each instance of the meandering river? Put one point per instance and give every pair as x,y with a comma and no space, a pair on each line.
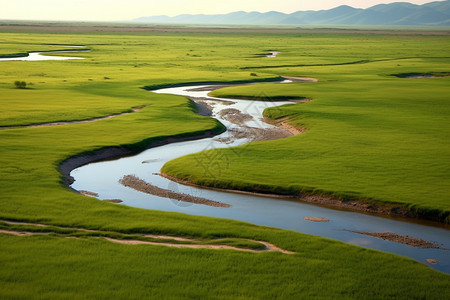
243,120
103,178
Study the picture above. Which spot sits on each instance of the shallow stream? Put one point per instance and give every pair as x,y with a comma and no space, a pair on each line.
40,56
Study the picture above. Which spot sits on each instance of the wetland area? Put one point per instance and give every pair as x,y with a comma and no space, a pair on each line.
309,163
106,180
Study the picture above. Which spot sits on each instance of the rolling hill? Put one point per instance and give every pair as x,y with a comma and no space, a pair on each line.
399,13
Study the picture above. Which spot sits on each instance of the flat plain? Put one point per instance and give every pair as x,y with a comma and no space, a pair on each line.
371,136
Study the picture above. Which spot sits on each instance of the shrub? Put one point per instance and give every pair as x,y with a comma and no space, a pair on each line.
20,84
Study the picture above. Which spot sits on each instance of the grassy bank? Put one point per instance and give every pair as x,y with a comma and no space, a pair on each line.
96,269
110,81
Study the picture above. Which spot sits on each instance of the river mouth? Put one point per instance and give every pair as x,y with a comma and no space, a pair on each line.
103,179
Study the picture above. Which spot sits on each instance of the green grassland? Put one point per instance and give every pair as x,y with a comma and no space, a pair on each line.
110,81
372,136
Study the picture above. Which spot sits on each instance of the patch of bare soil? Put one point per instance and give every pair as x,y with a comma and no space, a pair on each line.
254,134
142,186
300,79
190,246
205,106
235,116
355,205
168,237
87,193
281,130
403,239
268,247
113,200
272,247
22,233
317,219
267,134
283,123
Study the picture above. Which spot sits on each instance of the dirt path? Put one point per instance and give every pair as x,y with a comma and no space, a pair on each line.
194,246
21,233
271,247
300,79
133,110
127,240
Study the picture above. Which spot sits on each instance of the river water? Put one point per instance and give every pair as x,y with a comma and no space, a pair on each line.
103,179
40,56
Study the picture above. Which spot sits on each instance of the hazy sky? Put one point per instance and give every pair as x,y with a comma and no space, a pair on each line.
112,10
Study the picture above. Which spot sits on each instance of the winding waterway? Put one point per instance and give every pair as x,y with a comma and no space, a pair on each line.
103,178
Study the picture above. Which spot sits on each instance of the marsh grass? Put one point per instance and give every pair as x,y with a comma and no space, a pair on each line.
136,272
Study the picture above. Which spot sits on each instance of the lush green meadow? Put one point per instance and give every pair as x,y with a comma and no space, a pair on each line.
372,136
111,79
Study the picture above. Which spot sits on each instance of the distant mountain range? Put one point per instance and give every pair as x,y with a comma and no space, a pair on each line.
399,13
